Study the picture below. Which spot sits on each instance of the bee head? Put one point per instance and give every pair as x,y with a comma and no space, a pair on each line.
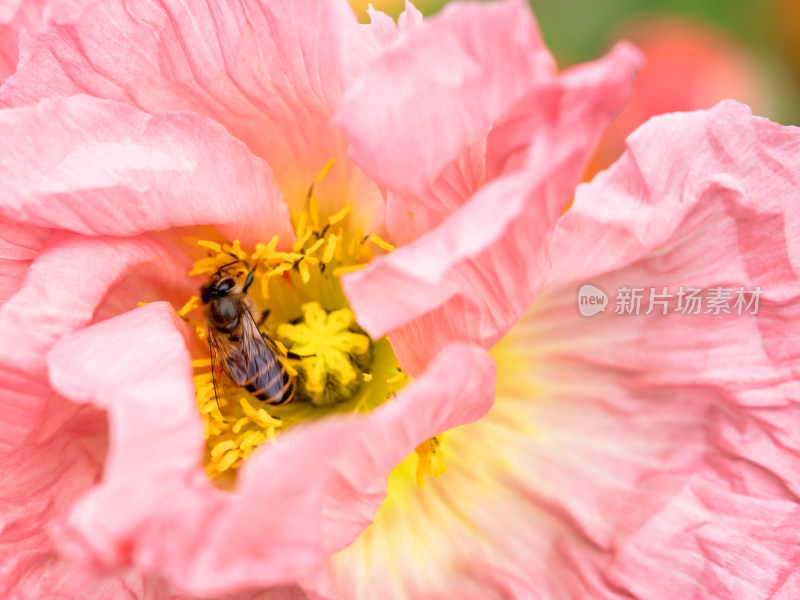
217,287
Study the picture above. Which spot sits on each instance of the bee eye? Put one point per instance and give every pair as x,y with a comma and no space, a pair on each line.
225,284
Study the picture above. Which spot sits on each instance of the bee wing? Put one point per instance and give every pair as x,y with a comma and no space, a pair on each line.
265,362
222,354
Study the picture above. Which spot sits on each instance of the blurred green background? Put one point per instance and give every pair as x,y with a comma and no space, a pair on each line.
698,52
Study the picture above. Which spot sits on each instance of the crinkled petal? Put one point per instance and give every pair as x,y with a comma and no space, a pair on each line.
38,482
312,491
714,540
19,245
711,206
474,275
137,368
449,79
641,456
60,293
567,452
264,70
16,15
720,213
98,167
677,169
358,51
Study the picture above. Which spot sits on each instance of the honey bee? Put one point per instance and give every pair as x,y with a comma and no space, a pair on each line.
240,351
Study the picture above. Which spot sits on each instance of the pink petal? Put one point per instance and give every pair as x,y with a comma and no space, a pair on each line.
719,212
19,245
700,199
60,292
264,70
654,199
38,484
156,509
717,541
98,167
450,78
410,18
564,464
356,52
643,456
16,15
474,275
119,364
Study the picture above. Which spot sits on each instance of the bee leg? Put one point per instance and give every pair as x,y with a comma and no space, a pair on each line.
264,317
295,356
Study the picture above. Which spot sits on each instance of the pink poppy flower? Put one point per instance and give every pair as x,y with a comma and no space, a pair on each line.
142,126
611,463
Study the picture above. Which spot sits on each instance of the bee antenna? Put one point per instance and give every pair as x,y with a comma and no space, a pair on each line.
225,266
244,262
249,281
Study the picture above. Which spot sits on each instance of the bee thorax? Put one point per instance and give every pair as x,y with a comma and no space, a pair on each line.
224,311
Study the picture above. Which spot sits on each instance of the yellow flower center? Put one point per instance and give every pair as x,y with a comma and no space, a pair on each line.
334,366
335,357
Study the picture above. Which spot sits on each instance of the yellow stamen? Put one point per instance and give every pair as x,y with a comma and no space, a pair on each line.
200,363
264,251
251,440
313,212
324,170
429,460
329,249
203,266
339,271
235,249
237,427
380,242
302,225
339,216
396,377
279,269
301,241
222,448
260,417
265,287
356,242
305,273
207,408
213,246
192,304
227,461
315,246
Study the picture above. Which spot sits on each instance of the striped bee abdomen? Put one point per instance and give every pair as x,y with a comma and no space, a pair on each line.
269,380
